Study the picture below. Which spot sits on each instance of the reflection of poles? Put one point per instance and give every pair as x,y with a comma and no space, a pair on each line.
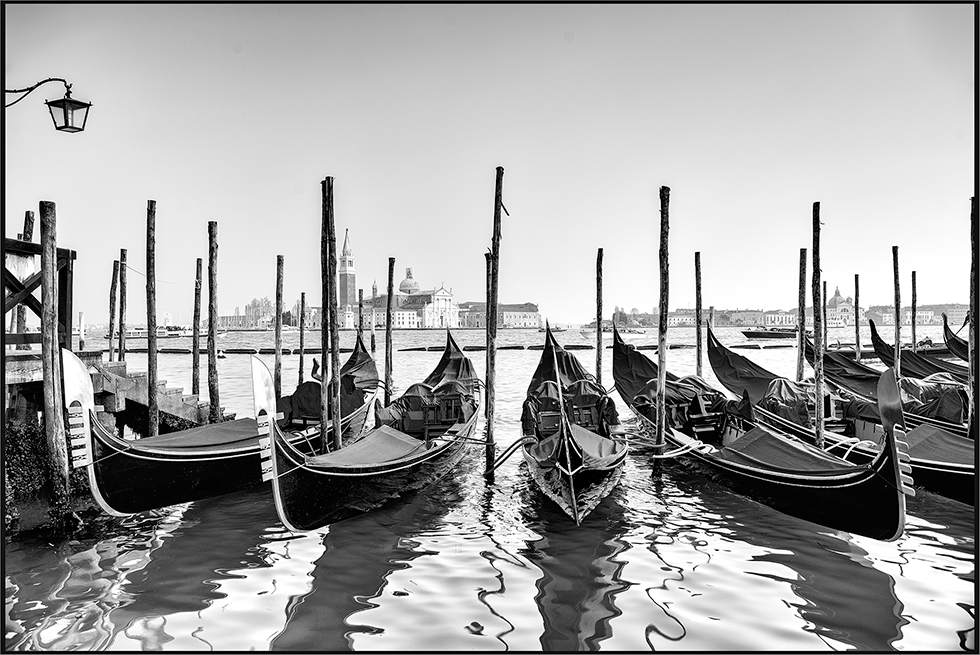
662,329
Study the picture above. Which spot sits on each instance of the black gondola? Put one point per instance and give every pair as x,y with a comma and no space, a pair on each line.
942,458
131,476
723,439
957,345
915,364
418,437
573,443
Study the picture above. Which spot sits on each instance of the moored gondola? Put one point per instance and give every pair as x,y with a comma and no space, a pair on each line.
131,476
572,440
418,437
941,456
913,364
723,439
956,345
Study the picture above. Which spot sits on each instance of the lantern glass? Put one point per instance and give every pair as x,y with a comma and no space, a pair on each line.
69,115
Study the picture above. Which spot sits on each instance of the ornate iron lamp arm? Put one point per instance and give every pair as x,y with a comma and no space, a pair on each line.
28,90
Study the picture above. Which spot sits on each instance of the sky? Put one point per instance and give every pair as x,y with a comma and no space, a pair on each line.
748,113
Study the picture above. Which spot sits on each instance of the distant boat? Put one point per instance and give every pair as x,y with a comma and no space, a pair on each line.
771,333
554,329
143,333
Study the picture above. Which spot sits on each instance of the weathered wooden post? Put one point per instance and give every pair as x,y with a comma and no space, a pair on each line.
801,318
818,332
153,401
974,314
214,413
334,387
823,313
324,313
697,310
360,312
914,346
898,315
857,319
388,320
302,331
711,317
20,315
486,320
492,314
277,375
196,333
598,317
112,309
54,426
122,304
374,303
658,442
81,331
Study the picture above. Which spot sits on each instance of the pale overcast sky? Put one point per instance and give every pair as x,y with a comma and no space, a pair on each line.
749,113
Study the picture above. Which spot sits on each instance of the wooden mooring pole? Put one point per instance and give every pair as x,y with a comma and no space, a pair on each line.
659,439
81,331
857,319
801,318
302,331
122,304
898,315
486,318
914,347
697,311
113,292
196,333
974,313
214,411
360,312
277,374
54,425
374,304
818,331
152,401
334,385
598,317
823,312
492,315
388,319
20,315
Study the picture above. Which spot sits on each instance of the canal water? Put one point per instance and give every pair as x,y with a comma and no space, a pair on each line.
671,562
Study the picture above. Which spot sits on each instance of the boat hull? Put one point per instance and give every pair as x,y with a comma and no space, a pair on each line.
577,494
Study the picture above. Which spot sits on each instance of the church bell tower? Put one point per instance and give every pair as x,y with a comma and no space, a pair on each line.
347,287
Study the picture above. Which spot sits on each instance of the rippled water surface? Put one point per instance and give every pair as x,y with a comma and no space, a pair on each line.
668,562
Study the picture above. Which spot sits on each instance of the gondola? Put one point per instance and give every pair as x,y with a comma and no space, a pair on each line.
957,345
941,456
724,440
131,476
915,364
572,440
417,438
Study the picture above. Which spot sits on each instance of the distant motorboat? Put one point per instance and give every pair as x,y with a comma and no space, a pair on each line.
143,333
772,333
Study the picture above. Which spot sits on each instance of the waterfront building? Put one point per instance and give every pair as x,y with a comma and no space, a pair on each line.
520,315
415,307
782,318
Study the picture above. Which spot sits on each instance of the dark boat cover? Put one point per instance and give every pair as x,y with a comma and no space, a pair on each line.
846,372
787,399
957,345
214,434
760,447
736,373
935,444
454,365
915,364
938,396
568,370
358,378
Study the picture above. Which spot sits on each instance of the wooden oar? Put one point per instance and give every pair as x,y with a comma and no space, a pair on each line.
890,408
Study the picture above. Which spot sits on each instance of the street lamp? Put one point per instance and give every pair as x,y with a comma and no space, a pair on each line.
68,114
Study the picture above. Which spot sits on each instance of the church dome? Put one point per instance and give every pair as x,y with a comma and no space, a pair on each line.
408,285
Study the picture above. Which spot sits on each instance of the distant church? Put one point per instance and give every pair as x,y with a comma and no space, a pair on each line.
347,287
